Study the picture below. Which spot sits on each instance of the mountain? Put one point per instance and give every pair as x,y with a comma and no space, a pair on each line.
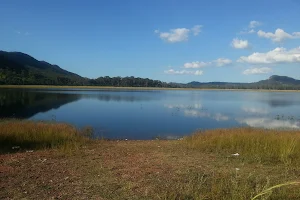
274,82
283,80
18,68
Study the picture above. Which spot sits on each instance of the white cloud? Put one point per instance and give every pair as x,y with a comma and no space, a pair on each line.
183,72
222,61
196,64
196,29
279,36
262,70
250,29
26,33
296,34
278,55
175,35
240,44
199,64
254,24
246,31
198,72
178,34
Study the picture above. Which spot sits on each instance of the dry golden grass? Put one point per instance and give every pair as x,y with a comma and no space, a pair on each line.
256,145
23,134
198,167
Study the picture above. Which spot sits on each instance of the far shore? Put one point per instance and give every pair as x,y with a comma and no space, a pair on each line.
130,88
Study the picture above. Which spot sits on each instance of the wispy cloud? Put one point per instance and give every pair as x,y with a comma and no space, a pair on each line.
196,29
199,64
25,33
196,64
220,62
178,34
279,35
254,24
183,72
262,70
251,27
240,44
278,55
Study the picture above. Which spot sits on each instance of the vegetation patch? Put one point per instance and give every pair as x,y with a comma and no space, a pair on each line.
256,145
210,165
22,134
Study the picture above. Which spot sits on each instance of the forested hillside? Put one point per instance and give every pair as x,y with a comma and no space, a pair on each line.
21,69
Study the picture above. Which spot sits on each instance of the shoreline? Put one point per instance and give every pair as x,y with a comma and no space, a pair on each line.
131,88
237,163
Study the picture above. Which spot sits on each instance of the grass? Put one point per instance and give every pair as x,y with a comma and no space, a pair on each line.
23,134
254,145
198,167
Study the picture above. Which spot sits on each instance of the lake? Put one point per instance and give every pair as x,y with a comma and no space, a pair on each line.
148,114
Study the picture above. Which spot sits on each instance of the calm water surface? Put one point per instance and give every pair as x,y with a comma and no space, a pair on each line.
144,114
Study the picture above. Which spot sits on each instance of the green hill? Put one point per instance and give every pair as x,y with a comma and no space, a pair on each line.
21,69
17,68
274,82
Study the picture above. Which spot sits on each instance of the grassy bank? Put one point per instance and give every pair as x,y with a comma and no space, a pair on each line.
17,135
254,145
198,167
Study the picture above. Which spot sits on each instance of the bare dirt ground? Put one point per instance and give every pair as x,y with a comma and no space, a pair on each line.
136,170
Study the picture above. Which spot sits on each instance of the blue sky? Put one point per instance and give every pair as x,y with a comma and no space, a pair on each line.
178,41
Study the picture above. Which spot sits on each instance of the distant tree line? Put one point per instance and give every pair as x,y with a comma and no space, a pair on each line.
255,86
17,68
25,77
19,76
130,82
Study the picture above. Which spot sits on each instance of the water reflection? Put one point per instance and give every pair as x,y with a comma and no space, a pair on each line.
255,110
197,110
24,104
263,122
196,113
280,99
148,114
